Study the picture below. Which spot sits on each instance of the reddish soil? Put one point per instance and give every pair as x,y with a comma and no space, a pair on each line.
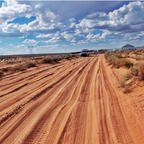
72,102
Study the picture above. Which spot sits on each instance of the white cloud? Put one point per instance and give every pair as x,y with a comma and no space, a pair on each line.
93,37
128,18
44,21
44,36
67,36
30,41
10,9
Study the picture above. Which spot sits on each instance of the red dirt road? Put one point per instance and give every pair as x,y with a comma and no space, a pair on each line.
73,102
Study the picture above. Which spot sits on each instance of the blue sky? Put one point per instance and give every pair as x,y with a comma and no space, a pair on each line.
66,26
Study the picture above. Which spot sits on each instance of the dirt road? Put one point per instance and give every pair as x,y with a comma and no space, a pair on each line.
73,102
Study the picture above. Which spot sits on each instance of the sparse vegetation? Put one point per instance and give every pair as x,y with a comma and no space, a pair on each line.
132,60
117,60
5,69
50,60
31,62
1,74
141,71
124,79
125,82
134,71
53,60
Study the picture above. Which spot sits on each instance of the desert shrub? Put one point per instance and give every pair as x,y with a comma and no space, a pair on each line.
125,83
125,78
30,64
122,62
48,60
141,71
127,89
117,60
52,60
128,63
68,56
5,69
1,74
19,67
108,55
111,58
57,59
138,70
134,71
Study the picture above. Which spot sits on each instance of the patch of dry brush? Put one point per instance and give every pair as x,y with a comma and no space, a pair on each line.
33,63
121,59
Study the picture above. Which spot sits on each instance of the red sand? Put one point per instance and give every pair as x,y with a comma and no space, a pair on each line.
74,102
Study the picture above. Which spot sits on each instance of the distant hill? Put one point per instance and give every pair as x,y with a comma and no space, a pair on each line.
128,46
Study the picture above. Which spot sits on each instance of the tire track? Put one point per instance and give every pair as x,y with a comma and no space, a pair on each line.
75,104
60,85
36,88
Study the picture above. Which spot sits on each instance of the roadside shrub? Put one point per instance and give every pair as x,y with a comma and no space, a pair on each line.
52,60
124,79
121,62
127,89
125,82
117,60
48,60
128,63
141,71
5,69
1,74
30,64
138,70
68,56
134,71
57,59
19,67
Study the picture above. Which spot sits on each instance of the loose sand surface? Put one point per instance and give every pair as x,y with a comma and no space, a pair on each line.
72,102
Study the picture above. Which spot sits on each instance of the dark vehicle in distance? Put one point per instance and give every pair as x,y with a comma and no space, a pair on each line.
85,53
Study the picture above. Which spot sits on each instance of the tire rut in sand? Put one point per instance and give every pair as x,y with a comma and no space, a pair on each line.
64,78
75,105
19,95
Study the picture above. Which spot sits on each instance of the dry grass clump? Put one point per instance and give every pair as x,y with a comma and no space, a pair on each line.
117,61
141,70
138,70
5,69
125,82
124,79
33,63
50,60
22,67
68,56
110,57
29,64
53,60
19,67
134,71
135,68
1,74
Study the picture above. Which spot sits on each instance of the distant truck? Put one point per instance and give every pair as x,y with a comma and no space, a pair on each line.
85,53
